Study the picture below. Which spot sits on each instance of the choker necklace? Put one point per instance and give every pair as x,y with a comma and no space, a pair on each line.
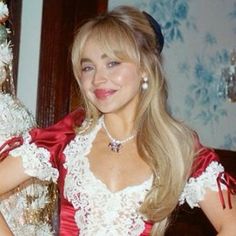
115,144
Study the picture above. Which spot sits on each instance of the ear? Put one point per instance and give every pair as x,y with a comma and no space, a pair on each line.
143,74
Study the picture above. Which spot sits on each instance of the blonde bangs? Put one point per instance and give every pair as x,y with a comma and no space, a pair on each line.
117,42
113,39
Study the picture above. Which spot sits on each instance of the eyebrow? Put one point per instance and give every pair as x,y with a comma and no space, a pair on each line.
104,56
83,60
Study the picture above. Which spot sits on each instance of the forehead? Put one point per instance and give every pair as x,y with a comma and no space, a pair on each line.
93,44
92,50
107,48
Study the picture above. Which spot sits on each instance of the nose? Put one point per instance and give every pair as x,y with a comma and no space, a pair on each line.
99,77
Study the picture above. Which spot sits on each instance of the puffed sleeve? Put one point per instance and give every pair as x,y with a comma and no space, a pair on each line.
41,150
207,173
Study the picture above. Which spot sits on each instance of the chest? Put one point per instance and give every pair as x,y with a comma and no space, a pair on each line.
117,170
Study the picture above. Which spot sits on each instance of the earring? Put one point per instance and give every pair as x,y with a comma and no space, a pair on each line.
145,83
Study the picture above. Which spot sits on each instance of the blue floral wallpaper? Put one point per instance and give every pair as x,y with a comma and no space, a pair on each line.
199,37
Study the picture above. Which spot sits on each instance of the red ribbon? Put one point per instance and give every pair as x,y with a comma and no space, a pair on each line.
230,183
10,145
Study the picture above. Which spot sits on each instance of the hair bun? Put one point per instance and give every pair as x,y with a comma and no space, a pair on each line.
157,29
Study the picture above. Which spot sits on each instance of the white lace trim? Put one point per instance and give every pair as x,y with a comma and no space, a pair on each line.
195,188
99,211
36,160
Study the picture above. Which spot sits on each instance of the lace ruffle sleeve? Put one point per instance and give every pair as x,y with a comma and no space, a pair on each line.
207,173
41,150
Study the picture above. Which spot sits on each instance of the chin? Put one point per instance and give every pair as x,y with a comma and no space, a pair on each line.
106,109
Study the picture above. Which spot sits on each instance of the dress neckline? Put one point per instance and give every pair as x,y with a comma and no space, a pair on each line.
145,185
90,137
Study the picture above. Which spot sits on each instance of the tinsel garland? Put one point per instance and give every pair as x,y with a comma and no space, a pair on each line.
28,209
6,55
14,117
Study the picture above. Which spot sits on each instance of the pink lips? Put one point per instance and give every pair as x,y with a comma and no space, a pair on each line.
103,93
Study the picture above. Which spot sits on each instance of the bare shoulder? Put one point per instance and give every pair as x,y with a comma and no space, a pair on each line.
11,173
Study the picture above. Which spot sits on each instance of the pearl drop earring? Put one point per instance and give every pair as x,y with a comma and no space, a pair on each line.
145,83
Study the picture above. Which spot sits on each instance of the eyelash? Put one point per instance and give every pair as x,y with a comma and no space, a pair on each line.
86,68
113,63
109,65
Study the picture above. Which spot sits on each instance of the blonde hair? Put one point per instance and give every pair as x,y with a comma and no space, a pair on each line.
164,143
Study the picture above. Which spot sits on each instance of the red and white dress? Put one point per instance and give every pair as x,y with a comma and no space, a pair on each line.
87,206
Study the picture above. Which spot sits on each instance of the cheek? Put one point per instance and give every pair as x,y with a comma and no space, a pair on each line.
128,78
133,81
83,83
85,87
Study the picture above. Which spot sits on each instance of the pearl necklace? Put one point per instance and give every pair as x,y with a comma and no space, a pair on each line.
115,144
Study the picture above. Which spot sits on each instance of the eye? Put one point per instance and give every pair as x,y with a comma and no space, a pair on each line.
86,68
113,63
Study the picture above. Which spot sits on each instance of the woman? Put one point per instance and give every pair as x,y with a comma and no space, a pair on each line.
126,167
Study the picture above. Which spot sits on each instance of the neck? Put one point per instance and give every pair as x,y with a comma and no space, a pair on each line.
116,144
118,126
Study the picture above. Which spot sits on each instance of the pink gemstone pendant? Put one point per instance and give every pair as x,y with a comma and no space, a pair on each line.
114,146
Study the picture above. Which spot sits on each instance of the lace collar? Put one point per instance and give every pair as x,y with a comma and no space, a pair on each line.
82,144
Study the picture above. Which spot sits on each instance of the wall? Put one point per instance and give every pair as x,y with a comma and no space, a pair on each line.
29,53
199,37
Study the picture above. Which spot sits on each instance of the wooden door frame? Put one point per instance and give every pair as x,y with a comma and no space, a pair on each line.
59,21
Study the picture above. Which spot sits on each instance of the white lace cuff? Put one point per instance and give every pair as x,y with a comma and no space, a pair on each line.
36,160
195,188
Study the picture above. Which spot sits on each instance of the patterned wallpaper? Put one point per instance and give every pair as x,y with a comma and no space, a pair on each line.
199,37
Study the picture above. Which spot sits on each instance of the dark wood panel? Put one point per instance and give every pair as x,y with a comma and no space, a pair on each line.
59,21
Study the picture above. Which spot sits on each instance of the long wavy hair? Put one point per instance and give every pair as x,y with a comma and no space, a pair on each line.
165,144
